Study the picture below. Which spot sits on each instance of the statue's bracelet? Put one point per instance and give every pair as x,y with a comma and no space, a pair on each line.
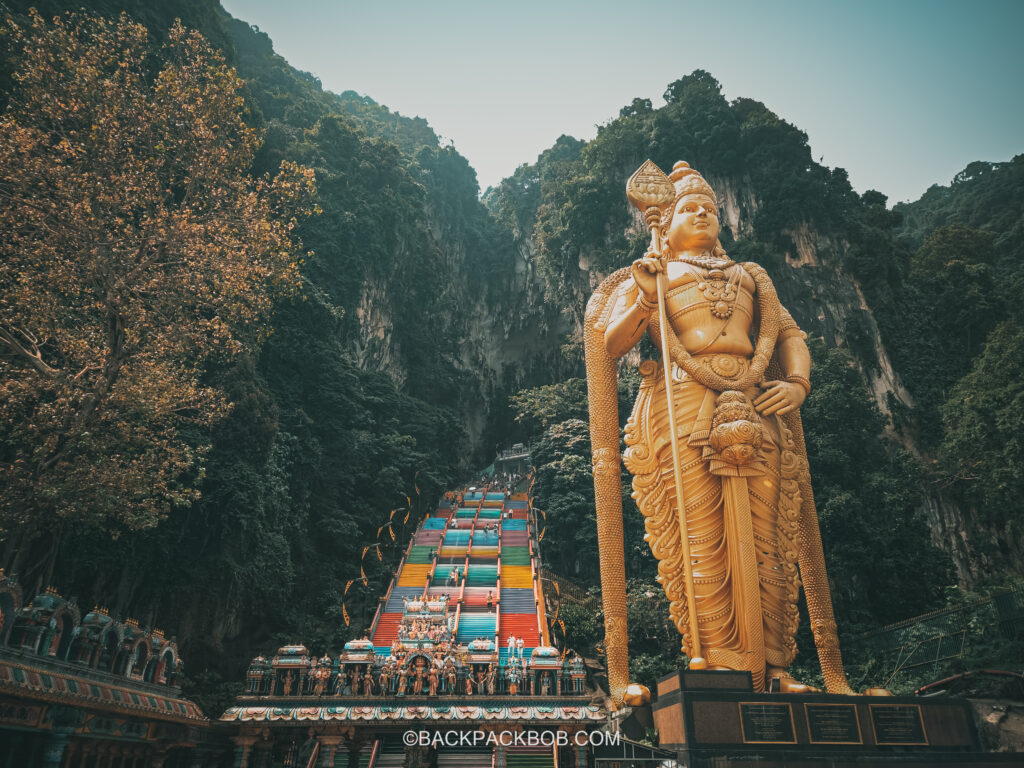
643,303
804,382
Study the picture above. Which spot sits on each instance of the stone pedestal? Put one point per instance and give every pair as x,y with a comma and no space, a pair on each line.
714,719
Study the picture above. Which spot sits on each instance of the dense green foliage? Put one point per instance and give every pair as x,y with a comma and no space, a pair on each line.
374,382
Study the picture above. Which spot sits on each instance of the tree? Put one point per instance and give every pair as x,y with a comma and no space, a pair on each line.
135,249
984,421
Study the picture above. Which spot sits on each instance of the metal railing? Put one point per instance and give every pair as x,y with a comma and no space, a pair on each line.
944,635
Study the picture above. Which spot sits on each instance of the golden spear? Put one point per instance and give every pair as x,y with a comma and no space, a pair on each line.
650,190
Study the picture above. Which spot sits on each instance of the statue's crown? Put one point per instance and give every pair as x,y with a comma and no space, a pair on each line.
687,181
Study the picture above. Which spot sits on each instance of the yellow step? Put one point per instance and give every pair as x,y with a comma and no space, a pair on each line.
414,575
516,577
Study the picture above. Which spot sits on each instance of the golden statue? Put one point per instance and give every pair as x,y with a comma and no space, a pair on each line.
719,467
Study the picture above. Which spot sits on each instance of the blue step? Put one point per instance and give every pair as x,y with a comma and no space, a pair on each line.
513,525
434,523
395,603
517,601
517,505
472,626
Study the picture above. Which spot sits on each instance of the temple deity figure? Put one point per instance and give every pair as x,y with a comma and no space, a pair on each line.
403,681
450,676
433,681
714,444
514,679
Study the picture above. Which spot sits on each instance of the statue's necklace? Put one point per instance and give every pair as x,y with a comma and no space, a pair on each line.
719,288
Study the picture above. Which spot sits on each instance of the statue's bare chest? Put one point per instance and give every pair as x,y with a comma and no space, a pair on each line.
715,292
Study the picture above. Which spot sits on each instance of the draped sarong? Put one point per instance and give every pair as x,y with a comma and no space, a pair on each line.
741,525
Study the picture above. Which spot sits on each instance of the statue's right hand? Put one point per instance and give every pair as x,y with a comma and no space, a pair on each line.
645,273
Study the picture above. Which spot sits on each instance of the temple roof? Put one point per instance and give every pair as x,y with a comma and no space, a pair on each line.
399,713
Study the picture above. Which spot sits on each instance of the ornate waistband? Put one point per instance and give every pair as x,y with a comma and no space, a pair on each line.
725,365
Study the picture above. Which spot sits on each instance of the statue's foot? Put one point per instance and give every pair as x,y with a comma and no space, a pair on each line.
779,680
636,695
877,691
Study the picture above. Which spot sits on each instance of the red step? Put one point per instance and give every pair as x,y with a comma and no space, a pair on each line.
387,629
522,625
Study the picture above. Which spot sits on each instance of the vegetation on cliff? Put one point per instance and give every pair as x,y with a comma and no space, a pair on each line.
368,380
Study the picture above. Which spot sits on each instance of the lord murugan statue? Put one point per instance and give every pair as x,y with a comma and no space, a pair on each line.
714,443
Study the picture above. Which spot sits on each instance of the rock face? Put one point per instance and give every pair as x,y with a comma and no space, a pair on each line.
1000,724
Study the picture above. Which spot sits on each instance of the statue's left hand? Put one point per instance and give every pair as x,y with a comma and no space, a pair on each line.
779,397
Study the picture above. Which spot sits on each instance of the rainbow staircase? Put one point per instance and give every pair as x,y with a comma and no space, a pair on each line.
487,540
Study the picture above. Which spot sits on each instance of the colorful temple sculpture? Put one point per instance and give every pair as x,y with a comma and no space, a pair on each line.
91,690
457,668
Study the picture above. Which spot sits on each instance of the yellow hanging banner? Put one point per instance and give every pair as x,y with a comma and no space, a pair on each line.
344,614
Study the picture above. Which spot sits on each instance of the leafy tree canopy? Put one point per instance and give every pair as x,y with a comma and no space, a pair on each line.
136,247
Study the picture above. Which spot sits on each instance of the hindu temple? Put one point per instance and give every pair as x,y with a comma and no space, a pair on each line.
457,668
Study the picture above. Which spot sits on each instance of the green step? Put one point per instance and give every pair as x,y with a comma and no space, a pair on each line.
419,555
515,559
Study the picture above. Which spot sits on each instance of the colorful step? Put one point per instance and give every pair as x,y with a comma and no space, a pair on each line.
517,577
419,555
413,575
396,601
517,601
474,625
387,629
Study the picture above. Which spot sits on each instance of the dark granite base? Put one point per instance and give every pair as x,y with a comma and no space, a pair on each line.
714,719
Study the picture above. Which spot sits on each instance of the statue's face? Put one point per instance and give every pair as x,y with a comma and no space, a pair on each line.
694,225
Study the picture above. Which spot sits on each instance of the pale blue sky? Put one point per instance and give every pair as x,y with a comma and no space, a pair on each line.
901,93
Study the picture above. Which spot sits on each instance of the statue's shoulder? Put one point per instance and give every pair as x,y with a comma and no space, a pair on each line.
754,269
761,277
610,292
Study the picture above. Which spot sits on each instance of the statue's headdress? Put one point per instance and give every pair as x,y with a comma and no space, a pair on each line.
687,181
